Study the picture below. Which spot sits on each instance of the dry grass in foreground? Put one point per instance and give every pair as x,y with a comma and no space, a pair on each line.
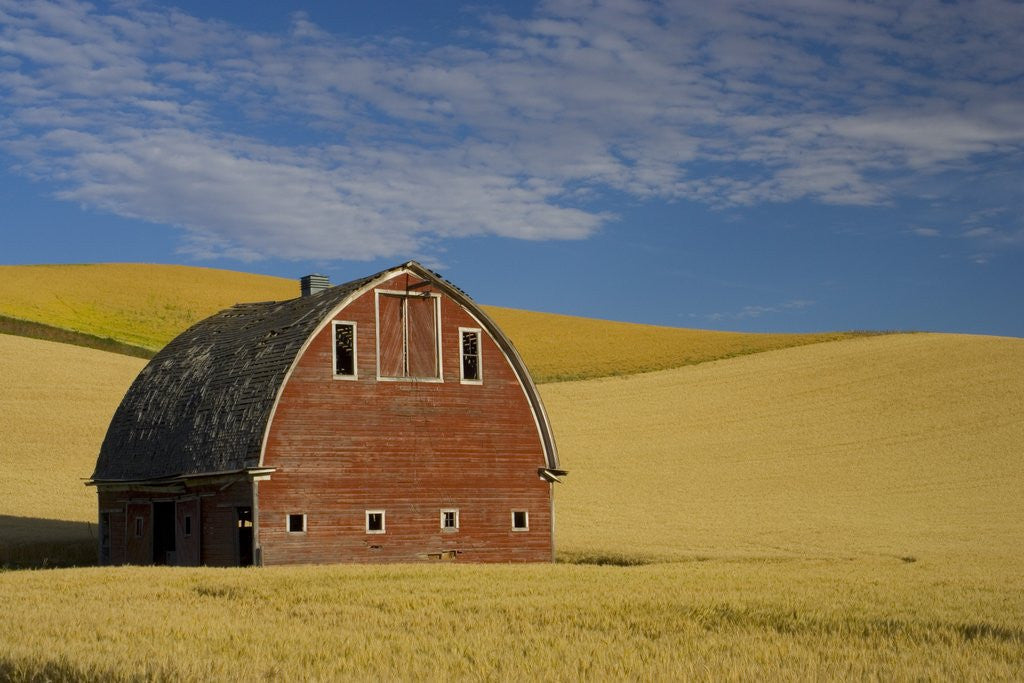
896,446
145,306
865,619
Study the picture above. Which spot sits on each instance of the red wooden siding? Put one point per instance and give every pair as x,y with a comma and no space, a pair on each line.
409,448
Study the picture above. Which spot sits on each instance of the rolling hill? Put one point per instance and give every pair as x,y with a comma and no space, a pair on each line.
896,446
850,509
55,403
144,305
899,445
137,308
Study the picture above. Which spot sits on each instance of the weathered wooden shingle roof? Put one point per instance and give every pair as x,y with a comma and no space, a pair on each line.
202,403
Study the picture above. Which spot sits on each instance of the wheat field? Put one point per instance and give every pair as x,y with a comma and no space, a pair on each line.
147,305
716,620
895,446
55,405
560,348
850,509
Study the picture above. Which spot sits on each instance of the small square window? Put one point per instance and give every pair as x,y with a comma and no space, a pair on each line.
296,524
449,520
188,525
375,521
520,520
138,526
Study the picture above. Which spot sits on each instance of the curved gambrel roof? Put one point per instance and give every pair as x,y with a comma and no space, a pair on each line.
203,404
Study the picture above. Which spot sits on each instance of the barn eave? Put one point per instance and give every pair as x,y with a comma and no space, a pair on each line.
251,473
550,475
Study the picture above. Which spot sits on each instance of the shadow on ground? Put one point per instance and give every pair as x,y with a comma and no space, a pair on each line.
32,542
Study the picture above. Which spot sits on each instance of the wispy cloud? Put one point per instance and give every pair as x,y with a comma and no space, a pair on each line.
994,230
996,237
302,144
748,312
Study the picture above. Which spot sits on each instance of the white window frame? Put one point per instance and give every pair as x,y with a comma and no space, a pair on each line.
526,513
334,349
288,522
479,356
436,296
383,521
450,529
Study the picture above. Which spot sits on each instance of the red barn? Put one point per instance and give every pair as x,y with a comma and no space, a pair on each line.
387,419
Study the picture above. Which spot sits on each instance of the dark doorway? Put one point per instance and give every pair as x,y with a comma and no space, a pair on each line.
244,536
163,533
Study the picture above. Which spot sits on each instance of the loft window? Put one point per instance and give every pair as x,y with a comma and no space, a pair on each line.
450,520
407,336
375,521
344,350
520,520
296,523
469,350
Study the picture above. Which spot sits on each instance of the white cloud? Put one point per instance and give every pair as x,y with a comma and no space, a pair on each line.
757,311
996,238
301,144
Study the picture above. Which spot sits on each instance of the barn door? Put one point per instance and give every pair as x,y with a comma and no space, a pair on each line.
391,336
422,337
139,533
186,529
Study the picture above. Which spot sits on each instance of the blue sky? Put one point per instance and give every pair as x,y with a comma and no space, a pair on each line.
783,166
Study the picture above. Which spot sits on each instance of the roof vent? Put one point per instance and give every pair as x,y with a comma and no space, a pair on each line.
311,284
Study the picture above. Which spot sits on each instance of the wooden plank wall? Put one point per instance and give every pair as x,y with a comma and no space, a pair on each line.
187,535
220,522
139,547
343,447
213,507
